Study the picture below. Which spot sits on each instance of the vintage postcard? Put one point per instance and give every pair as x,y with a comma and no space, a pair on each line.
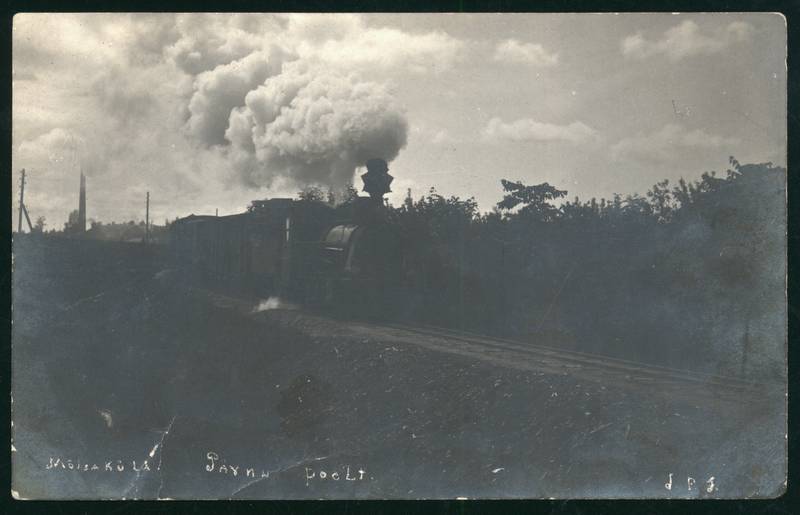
399,256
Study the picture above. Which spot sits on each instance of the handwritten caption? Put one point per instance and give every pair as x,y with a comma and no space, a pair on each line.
115,466
342,473
691,484
219,465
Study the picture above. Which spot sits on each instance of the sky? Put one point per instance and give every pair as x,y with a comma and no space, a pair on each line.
210,111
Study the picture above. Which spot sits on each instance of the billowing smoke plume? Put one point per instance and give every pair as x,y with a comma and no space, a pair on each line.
313,125
281,109
220,90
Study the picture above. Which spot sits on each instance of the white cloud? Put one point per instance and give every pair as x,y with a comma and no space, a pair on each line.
528,129
391,48
209,40
426,133
55,147
63,40
345,41
319,28
686,40
515,52
670,143
443,137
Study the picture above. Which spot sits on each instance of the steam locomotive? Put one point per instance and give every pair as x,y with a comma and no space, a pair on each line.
300,250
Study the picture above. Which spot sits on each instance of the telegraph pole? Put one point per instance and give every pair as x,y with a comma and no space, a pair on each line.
27,218
21,200
147,220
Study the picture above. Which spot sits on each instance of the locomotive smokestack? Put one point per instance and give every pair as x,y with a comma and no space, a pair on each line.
377,179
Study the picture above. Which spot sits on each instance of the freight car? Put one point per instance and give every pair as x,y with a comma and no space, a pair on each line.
268,250
300,250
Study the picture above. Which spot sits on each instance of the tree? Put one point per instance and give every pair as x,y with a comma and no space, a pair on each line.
533,199
311,194
71,224
349,193
661,201
337,197
39,225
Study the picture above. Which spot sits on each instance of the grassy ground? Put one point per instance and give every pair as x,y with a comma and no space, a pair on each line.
116,361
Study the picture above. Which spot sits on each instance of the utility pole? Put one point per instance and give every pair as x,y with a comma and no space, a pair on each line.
147,220
21,200
27,218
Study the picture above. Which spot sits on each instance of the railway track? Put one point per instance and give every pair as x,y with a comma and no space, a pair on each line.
572,362
535,357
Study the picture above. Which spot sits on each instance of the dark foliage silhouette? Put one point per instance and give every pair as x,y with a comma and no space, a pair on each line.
690,276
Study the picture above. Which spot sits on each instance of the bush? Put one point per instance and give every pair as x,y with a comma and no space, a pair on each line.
691,276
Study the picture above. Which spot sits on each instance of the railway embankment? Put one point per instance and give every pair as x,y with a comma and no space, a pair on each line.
117,361
503,416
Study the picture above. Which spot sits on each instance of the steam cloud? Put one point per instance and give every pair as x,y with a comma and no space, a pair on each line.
313,126
295,120
220,90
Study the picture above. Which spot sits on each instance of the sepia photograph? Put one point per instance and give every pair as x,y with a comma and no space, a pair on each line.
399,256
